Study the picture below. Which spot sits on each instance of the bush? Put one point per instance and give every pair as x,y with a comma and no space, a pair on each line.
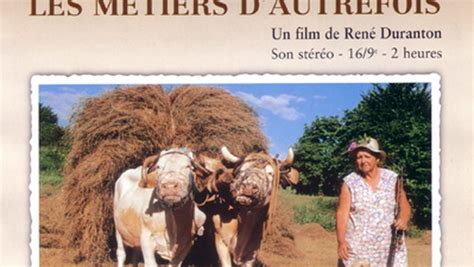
50,133
51,159
414,232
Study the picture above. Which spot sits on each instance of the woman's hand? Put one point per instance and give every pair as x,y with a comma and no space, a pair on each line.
401,224
343,250
405,210
342,215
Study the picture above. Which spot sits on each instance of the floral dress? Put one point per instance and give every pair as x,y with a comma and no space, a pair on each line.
368,230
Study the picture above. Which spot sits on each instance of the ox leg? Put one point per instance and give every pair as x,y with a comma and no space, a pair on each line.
135,258
199,220
223,252
222,249
121,255
148,248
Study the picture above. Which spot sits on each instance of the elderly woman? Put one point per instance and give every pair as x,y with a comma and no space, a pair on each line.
366,211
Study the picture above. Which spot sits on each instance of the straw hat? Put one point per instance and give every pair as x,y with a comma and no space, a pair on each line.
368,143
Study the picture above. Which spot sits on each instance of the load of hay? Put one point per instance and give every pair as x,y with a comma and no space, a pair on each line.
109,134
208,118
117,130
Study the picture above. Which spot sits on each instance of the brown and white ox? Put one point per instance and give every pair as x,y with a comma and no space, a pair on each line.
155,211
246,192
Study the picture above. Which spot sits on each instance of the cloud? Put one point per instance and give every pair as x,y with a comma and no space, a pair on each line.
280,105
263,120
62,101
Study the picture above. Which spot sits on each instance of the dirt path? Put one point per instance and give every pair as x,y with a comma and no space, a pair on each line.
318,248
315,245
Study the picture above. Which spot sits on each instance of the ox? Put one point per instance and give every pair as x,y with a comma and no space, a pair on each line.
153,207
246,193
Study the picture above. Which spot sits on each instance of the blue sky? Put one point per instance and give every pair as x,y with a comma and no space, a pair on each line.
283,109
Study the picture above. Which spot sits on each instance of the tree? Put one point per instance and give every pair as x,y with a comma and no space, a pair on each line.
315,157
50,133
399,116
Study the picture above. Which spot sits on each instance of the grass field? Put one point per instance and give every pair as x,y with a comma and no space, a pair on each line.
322,210
314,215
307,209
311,209
50,182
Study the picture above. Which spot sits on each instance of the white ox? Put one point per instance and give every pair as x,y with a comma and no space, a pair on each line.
248,193
155,211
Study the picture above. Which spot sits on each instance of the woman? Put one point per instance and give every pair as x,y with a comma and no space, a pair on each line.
366,210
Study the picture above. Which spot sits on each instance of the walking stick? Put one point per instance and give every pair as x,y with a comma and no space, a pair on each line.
397,235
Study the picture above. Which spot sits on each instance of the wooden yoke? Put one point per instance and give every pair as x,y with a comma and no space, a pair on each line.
273,201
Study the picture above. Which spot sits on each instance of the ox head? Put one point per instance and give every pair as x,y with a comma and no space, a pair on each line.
174,173
288,174
254,177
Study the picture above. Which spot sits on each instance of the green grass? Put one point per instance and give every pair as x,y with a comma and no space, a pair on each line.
51,158
312,209
291,199
49,182
322,210
307,209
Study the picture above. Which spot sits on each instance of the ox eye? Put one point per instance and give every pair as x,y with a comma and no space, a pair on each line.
269,170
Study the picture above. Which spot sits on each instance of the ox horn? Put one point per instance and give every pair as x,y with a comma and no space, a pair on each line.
228,156
288,161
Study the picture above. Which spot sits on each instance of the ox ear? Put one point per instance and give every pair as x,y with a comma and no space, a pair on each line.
150,180
288,175
150,162
291,177
288,161
201,172
149,172
190,154
285,165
